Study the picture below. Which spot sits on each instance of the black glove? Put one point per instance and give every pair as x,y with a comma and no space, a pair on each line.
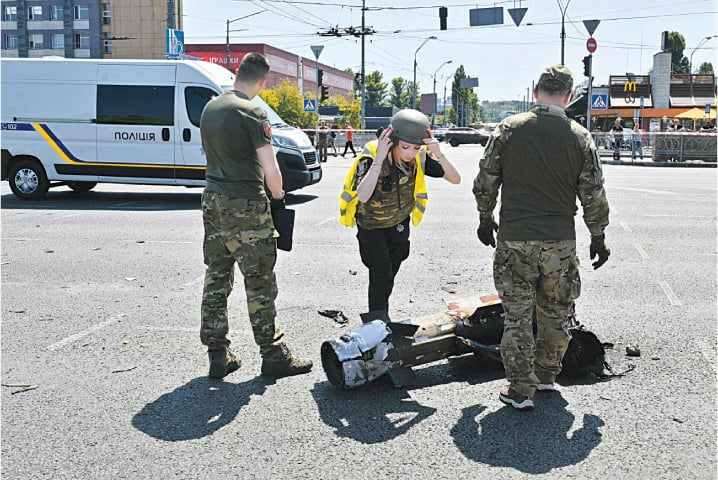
485,232
598,247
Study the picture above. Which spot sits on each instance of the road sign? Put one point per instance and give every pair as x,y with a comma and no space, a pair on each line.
599,101
708,108
174,43
591,45
469,82
517,14
591,25
486,16
317,49
310,105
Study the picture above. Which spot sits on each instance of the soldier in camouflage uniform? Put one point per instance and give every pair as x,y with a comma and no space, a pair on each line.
322,142
384,189
236,137
542,160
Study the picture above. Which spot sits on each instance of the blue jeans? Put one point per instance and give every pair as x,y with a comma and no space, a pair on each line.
637,147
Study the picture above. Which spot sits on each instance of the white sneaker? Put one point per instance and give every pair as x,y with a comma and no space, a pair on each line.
546,387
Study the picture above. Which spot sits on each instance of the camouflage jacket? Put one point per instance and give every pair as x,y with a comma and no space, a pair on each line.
541,160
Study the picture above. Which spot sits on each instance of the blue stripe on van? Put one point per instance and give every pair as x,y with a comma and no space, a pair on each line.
16,126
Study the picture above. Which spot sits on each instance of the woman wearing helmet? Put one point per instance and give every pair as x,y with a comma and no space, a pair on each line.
385,189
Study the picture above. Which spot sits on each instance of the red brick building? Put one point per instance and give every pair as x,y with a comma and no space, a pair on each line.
283,65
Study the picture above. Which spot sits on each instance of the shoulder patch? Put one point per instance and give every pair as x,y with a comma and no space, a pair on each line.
267,129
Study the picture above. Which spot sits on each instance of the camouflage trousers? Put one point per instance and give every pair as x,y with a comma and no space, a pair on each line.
541,275
240,231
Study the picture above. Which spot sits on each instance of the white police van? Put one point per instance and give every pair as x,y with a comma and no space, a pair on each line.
82,122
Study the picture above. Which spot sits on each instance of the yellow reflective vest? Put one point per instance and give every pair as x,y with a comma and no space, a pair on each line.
348,200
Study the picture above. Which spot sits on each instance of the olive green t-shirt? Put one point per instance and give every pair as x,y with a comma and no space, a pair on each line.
232,129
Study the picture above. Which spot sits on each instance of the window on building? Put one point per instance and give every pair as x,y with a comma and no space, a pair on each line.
56,12
35,41
106,14
58,40
195,98
82,12
106,42
135,105
82,40
9,14
10,41
34,12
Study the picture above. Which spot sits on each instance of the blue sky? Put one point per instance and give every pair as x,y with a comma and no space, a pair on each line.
505,58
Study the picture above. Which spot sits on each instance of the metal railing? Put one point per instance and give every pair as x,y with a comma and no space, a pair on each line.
662,146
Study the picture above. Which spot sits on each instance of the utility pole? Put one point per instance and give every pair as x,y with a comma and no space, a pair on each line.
317,50
340,32
413,97
362,123
563,29
170,14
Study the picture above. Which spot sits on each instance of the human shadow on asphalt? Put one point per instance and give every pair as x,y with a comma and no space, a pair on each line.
95,201
373,414
125,201
197,409
532,442
378,412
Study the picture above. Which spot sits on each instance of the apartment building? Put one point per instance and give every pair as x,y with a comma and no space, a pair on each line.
87,28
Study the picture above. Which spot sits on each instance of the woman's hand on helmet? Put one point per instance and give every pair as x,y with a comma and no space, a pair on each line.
385,143
432,144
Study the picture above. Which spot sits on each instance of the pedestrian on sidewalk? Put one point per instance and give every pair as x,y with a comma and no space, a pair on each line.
350,140
636,142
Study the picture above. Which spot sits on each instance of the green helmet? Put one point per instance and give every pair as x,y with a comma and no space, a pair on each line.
410,126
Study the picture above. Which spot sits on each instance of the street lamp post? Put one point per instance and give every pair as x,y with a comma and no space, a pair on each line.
433,114
413,98
444,104
227,39
690,60
702,42
563,29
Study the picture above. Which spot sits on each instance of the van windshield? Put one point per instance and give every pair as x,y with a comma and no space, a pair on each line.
273,116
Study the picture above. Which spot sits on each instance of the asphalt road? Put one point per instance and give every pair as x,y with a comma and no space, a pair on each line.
100,312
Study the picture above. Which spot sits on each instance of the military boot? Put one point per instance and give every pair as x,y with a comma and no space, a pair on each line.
278,361
222,362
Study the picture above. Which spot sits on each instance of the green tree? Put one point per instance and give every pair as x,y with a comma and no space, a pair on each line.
706,67
400,93
376,89
676,44
288,103
465,103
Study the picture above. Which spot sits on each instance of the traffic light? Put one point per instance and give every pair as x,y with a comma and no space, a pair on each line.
325,92
587,65
443,13
320,76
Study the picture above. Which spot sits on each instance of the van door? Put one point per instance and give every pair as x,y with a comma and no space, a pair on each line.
136,123
189,155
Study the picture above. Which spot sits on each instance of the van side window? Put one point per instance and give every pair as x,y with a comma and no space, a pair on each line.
135,105
195,98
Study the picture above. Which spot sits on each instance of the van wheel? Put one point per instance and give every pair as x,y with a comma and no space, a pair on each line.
454,142
82,186
28,180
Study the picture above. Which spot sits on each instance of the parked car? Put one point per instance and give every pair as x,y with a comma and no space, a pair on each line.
440,133
456,136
